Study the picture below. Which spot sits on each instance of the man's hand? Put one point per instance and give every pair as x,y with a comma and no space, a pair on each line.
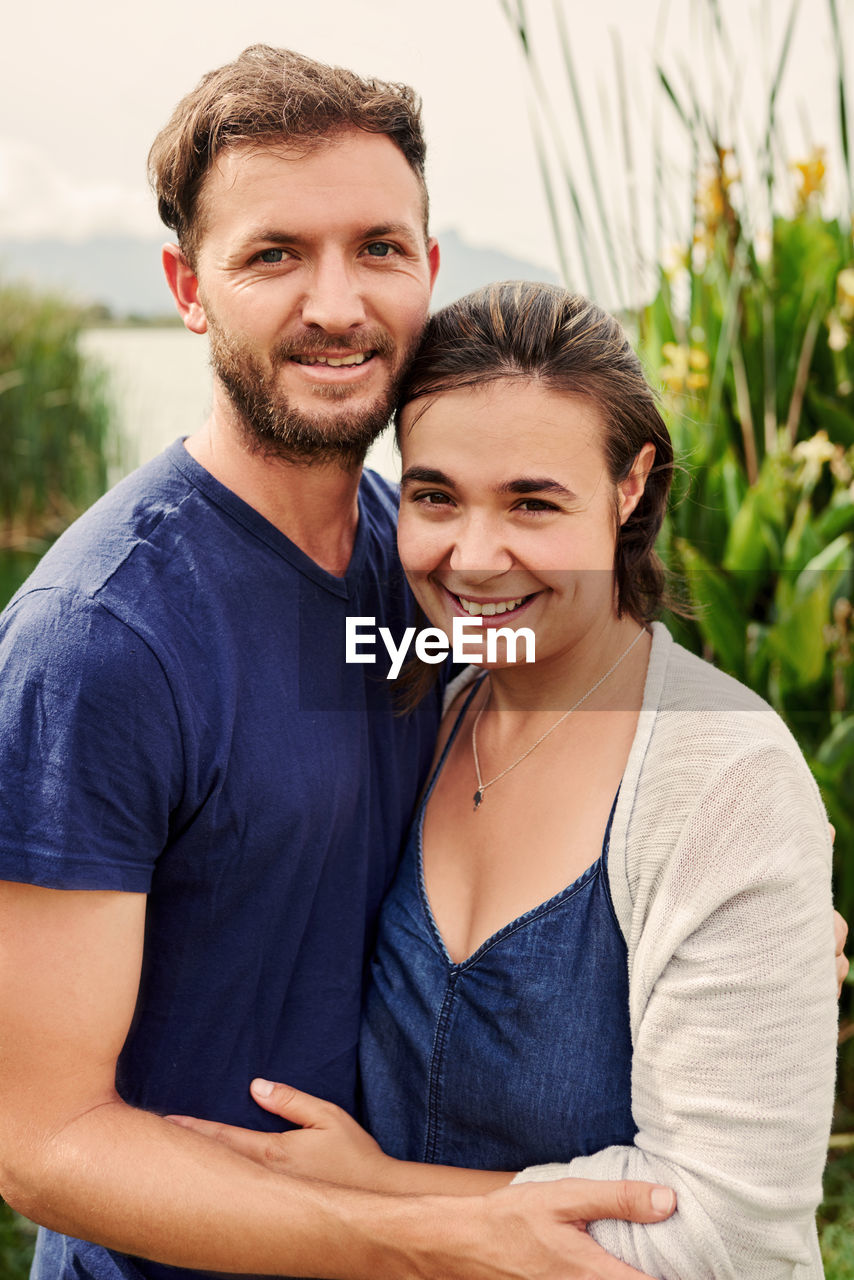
537,1231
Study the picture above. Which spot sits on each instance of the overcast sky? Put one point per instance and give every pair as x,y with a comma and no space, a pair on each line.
85,86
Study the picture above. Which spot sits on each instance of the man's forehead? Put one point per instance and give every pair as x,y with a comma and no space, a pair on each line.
345,157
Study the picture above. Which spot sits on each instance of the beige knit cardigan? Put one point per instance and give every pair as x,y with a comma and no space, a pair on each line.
719,870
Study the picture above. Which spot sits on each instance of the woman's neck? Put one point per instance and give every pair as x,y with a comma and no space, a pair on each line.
614,652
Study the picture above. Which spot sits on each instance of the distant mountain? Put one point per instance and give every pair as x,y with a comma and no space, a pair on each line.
465,267
124,275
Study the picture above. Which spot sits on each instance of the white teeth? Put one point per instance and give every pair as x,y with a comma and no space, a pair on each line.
358,357
489,609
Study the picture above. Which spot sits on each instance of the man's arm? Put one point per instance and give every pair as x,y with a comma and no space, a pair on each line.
76,1158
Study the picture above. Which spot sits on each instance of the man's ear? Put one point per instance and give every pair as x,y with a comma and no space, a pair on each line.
185,289
630,490
433,260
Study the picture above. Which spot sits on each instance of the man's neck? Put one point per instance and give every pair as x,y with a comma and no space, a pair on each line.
315,506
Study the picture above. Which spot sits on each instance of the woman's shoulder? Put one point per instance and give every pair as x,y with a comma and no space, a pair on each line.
694,701
704,735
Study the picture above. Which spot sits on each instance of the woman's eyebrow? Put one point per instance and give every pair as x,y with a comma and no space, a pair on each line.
425,475
537,484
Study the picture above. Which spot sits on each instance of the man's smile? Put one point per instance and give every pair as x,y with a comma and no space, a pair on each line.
336,362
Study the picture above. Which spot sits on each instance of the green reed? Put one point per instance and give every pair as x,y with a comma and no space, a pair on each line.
55,420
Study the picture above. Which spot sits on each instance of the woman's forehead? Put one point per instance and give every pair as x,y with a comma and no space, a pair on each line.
511,415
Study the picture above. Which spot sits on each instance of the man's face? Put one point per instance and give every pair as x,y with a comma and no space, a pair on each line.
314,278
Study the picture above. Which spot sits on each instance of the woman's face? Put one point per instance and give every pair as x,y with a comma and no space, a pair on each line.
508,513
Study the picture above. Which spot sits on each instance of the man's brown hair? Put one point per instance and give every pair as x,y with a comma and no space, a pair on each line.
271,96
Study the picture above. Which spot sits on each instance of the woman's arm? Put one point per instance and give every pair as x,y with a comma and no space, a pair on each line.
331,1145
732,993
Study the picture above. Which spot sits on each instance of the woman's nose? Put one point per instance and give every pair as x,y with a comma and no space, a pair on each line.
479,549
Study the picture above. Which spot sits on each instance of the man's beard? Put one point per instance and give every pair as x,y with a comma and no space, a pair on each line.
275,428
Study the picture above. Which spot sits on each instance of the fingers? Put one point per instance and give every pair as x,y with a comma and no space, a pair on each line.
289,1103
247,1142
596,1263
587,1200
840,931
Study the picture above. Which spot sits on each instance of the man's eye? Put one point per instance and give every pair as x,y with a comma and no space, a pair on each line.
380,249
272,255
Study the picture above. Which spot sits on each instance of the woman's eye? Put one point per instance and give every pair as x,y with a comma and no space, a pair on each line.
536,504
272,256
433,499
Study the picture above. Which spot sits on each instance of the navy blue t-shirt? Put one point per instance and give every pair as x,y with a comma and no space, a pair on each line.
177,718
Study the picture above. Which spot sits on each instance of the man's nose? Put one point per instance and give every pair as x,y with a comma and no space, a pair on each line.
333,300
479,550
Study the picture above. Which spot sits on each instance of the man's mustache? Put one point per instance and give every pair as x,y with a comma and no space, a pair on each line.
377,341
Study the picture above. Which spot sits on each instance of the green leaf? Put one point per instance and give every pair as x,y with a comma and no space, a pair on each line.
797,638
837,518
803,604
830,414
720,619
837,750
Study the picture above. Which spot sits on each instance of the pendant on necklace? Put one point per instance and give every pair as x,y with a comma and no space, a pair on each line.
478,797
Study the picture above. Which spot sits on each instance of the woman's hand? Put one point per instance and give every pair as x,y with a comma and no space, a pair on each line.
840,933
329,1145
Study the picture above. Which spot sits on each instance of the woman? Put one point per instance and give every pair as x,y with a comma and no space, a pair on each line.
607,953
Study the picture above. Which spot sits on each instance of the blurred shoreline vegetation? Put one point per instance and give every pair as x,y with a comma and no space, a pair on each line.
744,319
57,442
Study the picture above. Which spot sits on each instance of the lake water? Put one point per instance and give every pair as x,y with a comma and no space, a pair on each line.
160,387
161,382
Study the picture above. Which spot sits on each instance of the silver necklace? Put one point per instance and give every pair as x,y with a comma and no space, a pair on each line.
481,785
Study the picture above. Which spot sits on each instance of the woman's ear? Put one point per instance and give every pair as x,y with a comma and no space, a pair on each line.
630,490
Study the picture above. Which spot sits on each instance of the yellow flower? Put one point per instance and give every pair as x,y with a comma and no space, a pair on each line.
674,261
685,368
809,176
837,334
845,293
814,453
712,200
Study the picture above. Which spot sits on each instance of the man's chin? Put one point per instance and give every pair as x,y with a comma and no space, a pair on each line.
342,438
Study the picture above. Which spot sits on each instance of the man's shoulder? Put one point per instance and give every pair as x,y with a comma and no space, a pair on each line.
380,497
94,548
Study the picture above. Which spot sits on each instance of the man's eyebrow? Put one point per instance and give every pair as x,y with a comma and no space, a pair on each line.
390,229
279,235
537,484
425,475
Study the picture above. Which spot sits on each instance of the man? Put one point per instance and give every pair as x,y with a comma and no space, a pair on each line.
200,803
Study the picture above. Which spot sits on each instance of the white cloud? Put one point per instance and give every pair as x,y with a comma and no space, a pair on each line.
40,199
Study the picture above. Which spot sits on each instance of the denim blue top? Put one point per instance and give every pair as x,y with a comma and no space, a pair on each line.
519,1055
